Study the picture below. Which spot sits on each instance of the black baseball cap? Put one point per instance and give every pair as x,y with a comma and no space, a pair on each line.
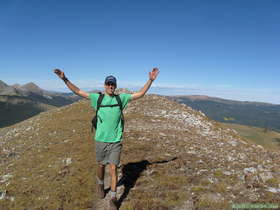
111,79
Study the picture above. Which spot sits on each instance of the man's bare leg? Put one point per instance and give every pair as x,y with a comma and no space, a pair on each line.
114,180
114,177
100,180
101,172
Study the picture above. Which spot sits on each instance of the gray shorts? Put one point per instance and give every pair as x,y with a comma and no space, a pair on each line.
108,152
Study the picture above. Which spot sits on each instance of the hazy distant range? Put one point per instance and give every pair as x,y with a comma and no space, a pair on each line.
229,111
20,102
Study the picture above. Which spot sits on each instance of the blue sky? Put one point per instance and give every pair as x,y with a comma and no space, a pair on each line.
222,48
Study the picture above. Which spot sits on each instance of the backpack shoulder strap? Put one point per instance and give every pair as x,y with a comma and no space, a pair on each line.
94,119
99,101
119,101
121,108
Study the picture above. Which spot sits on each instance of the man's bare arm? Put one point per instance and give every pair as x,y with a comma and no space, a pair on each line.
70,85
152,76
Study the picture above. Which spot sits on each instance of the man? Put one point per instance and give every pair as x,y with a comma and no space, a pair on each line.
108,135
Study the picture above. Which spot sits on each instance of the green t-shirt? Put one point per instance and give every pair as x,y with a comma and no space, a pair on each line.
109,128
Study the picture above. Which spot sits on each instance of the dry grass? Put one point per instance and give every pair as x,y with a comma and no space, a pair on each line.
159,171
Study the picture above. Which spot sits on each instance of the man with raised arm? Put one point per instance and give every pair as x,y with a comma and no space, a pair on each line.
109,128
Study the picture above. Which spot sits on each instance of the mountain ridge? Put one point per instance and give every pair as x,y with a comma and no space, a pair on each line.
173,158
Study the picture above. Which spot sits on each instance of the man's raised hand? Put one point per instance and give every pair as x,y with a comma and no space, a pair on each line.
153,74
59,73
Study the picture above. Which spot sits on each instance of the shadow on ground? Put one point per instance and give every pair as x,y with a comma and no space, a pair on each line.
131,172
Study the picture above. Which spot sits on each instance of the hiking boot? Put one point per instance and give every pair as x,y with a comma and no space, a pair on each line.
100,190
113,204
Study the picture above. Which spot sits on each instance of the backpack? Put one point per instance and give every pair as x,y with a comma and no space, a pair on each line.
99,101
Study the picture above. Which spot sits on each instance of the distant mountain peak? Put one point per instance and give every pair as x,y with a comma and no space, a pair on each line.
16,85
123,90
32,87
3,85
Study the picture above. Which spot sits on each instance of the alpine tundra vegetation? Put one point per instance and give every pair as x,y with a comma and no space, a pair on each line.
180,160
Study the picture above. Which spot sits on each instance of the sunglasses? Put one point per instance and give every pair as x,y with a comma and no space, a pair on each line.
110,84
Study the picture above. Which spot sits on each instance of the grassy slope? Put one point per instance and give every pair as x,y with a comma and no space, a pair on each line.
14,109
42,180
14,113
268,139
154,178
